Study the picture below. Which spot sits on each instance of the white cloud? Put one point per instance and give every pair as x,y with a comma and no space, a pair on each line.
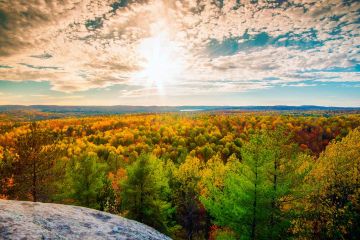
82,58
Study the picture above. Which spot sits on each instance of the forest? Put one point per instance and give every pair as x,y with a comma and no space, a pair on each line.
228,175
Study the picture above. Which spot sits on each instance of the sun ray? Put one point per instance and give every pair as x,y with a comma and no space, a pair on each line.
161,59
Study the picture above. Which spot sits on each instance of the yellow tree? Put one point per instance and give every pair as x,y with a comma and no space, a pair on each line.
334,205
187,178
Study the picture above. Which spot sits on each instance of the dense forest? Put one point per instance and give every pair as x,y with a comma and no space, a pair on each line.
242,175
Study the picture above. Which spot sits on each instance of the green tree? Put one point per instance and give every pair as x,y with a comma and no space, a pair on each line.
286,170
106,197
243,202
85,178
145,193
254,195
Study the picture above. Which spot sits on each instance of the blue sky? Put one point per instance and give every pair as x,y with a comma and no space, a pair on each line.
162,52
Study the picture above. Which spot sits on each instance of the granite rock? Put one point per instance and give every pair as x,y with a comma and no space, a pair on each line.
29,220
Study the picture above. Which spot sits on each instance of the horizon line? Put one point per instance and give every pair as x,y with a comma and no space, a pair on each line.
127,105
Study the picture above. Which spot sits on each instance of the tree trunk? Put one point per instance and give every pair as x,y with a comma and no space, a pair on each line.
190,230
189,220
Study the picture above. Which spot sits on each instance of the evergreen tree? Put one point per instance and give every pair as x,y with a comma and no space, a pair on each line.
286,170
85,178
254,196
145,193
243,202
106,197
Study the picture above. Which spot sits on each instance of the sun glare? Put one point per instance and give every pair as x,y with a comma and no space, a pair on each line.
161,61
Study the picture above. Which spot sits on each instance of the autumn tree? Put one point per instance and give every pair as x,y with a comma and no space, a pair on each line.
332,210
6,175
34,155
186,195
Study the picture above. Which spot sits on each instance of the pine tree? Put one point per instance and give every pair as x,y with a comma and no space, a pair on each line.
106,197
283,170
243,202
253,200
85,178
145,193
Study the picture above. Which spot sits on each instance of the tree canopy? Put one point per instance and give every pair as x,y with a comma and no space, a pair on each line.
233,175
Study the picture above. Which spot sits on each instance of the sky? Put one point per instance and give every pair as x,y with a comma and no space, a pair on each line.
180,52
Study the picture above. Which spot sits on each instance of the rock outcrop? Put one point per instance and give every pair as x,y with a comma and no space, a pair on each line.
28,220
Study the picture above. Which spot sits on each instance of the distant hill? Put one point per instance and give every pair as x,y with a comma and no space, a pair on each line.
39,112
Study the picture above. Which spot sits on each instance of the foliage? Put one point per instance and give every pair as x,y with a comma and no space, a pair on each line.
332,210
193,175
145,192
85,181
251,199
186,183
30,163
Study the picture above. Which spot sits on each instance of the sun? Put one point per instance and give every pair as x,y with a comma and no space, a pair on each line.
161,62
